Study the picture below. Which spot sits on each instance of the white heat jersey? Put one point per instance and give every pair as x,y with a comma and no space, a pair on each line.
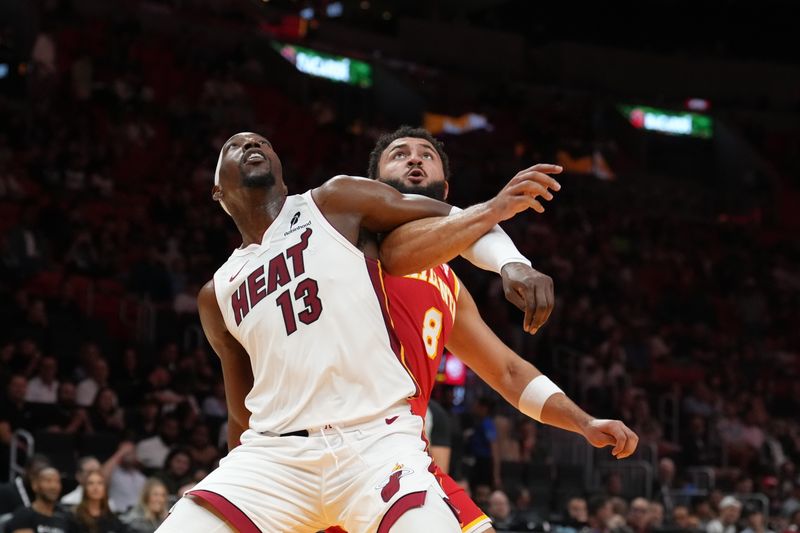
310,310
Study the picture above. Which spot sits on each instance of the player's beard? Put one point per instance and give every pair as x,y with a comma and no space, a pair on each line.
434,189
258,179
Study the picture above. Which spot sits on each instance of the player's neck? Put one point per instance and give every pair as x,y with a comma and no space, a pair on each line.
257,215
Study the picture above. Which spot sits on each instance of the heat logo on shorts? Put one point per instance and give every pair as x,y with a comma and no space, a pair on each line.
391,485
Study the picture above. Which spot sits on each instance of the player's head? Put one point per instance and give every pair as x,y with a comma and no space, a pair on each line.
412,161
247,164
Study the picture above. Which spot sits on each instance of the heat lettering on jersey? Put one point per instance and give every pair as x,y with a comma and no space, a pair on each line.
447,295
258,286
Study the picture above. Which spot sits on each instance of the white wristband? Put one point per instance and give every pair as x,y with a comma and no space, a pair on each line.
533,398
493,251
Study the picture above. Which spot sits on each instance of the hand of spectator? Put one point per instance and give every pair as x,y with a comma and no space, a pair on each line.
601,433
521,192
531,291
126,447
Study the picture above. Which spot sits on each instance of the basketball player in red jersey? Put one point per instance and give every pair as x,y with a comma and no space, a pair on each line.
431,310
294,314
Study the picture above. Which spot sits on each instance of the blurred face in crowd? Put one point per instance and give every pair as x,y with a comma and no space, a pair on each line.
16,389
47,485
86,467
48,370
200,436
576,507
604,513
179,465
637,516
730,514
655,514
413,166
106,400
680,515
94,488
157,499
66,394
169,430
756,521
499,506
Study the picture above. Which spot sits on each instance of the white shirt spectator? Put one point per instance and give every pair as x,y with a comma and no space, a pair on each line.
40,392
86,391
152,452
125,487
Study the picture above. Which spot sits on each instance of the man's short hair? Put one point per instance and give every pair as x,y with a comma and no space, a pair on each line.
406,131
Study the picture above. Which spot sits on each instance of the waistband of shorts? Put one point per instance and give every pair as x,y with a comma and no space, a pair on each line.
385,418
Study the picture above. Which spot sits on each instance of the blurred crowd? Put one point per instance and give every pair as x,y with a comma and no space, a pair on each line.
670,317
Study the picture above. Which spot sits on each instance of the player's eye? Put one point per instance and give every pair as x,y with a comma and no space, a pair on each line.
427,155
398,155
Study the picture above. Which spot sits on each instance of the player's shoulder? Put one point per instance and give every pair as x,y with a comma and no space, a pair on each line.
207,295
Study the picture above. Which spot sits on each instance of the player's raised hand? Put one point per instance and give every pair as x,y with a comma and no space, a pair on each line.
601,433
522,191
531,291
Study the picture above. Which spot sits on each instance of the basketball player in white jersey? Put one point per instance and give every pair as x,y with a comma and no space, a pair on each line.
300,309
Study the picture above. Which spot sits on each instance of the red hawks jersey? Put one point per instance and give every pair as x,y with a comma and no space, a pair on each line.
423,309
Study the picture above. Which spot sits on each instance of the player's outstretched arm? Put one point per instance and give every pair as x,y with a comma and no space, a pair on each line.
442,239
511,376
236,370
351,204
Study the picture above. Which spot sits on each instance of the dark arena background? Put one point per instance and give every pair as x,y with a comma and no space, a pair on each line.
673,243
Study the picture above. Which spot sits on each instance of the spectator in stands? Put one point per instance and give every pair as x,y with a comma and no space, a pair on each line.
151,509
43,514
178,470
613,485
105,414
756,523
129,378
730,509
704,512
152,452
599,514
526,518
577,514
792,504
19,491
85,466
680,517
43,388
93,514
125,479
638,515
214,405
203,453
665,484
499,510
14,413
655,515
68,416
695,446
98,379
483,446
144,422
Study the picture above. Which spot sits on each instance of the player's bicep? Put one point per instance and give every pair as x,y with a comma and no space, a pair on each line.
382,208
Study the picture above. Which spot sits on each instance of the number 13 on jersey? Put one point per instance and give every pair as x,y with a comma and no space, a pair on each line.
431,331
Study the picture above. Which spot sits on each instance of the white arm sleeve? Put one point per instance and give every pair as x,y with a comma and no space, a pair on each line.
492,251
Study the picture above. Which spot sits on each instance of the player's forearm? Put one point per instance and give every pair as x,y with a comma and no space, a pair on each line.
493,250
561,412
428,242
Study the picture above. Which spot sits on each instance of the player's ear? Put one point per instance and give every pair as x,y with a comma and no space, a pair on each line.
216,193
446,189
285,190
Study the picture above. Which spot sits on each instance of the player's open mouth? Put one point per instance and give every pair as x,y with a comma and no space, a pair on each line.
255,156
416,173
